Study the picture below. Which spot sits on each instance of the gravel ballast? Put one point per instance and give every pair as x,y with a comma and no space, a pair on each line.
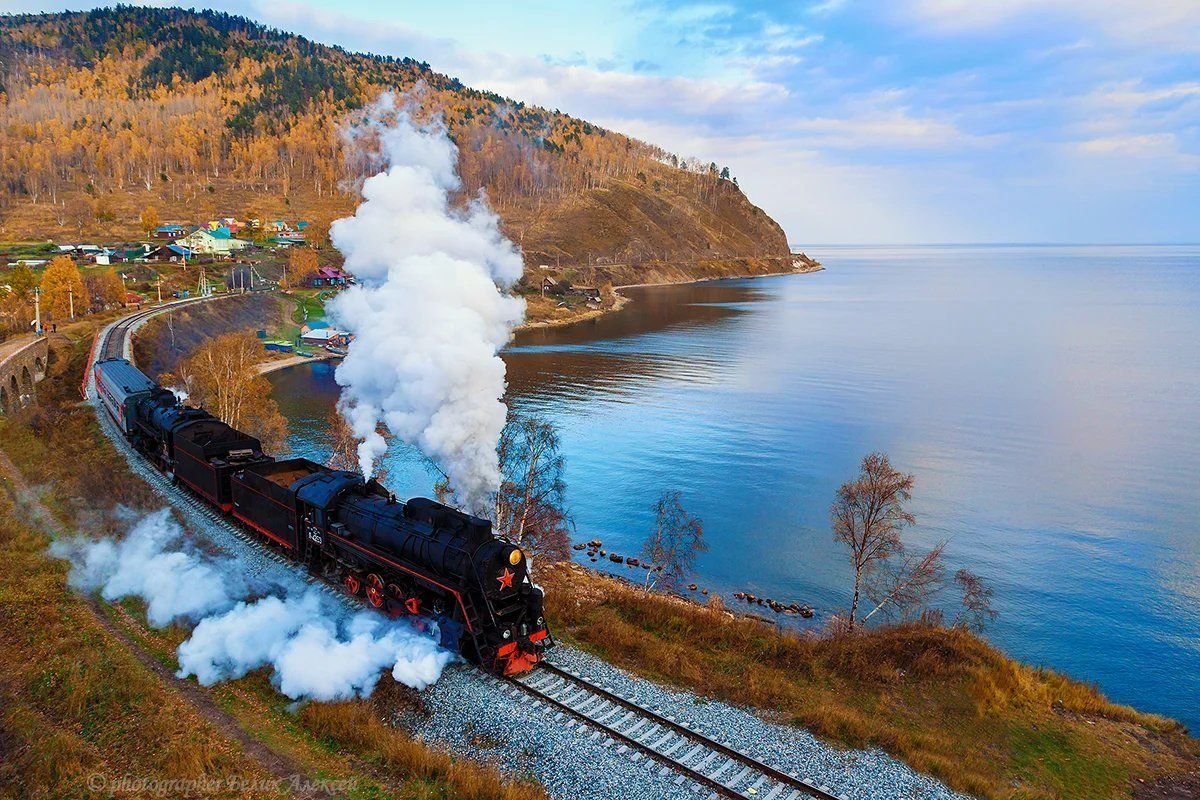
482,719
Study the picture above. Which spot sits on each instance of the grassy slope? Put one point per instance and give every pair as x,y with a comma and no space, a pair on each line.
77,692
942,700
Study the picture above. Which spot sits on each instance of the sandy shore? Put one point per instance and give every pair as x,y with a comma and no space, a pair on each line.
276,364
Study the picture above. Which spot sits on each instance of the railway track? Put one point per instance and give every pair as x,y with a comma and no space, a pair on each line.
709,764
114,341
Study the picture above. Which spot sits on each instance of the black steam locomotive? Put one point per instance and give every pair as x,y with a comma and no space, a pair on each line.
418,558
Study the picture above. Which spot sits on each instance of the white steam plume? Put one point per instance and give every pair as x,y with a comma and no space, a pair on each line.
430,310
152,562
314,646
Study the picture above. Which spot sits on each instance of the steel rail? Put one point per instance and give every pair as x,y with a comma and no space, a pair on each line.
786,785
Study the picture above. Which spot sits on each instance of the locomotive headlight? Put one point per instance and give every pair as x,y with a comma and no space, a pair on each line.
514,557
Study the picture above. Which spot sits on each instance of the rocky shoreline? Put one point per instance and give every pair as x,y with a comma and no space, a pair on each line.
801,264
594,551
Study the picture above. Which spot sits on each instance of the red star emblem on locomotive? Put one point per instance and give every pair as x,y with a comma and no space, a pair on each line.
506,579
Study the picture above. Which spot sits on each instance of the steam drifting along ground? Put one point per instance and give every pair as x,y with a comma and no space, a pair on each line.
315,647
430,310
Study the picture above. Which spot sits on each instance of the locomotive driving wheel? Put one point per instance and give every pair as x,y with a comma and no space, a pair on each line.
352,583
375,590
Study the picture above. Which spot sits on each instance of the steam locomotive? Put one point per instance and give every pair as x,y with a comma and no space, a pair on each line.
419,557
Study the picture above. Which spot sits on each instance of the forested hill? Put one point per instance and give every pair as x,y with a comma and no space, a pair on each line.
200,114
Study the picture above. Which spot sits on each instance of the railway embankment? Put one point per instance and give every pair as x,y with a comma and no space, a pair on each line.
163,341
942,700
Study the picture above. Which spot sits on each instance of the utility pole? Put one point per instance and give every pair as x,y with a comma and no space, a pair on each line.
160,287
37,310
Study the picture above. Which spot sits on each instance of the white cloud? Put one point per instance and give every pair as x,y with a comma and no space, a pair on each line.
1144,146
891,128
1132,22
1133,95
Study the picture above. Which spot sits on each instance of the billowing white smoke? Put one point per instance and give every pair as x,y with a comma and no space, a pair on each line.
429,312
152,562
315,651
315,647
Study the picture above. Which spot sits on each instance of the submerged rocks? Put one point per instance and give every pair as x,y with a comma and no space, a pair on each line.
788,609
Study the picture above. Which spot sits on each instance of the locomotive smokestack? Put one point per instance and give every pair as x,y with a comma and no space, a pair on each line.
430,310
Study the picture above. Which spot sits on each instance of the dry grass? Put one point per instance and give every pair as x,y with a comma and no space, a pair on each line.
356,726
58,444
942,700
74,702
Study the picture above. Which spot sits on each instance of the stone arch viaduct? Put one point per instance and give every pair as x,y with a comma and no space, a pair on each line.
22,365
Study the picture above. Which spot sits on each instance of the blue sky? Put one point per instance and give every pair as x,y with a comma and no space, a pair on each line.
898,121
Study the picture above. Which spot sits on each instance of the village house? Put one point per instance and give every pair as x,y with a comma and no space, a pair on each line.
119,254
325,276
173,252
325,337
170,231
219,242
234,225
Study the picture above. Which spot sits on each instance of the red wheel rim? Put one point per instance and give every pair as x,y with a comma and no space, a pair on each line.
375,590
352,583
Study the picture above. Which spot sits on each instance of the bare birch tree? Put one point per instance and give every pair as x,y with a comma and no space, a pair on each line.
868,516
672,547
904,589
530,507
344,446
976,609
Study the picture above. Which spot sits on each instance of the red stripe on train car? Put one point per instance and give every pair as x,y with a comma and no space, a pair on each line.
263,530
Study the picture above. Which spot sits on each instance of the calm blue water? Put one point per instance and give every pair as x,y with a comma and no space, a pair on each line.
1047,399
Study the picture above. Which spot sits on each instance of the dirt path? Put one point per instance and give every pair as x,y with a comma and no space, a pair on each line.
283,768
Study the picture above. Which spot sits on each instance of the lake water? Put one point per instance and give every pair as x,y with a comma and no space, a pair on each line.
1046,398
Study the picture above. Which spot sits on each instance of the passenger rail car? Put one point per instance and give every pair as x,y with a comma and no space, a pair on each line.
419,557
